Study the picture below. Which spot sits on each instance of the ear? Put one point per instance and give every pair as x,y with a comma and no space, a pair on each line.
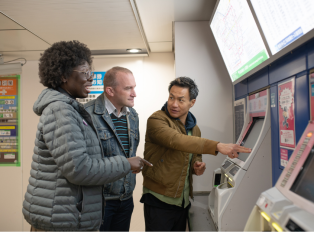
64,80
193,102
109,90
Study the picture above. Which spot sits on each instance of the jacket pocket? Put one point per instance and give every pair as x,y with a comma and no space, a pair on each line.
134,141
107,141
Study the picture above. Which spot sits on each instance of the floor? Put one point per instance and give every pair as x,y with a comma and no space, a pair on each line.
199,216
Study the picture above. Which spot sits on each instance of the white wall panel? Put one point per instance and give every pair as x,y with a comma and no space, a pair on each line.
197,56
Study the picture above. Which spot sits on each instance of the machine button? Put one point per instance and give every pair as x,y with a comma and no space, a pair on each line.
292,166
296,158
287,175
283,183
266,205
290,169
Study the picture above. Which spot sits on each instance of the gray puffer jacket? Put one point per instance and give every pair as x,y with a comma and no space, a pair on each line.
68,169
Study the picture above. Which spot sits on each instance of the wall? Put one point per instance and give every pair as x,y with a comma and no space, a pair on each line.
197,56
152,75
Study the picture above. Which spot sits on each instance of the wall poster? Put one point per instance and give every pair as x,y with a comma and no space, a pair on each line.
283,157
96,89
10,120
286,113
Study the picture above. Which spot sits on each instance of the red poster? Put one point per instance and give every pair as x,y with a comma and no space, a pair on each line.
286,113
8,87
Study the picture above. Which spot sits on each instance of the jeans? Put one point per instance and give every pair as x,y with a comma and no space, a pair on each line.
118,215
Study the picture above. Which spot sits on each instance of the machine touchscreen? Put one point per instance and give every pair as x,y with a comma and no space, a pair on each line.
251,137
303,184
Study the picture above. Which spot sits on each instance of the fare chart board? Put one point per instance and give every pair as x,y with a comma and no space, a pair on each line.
10,120
238,37
284,21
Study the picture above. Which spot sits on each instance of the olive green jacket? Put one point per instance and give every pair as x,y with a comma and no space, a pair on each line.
167,147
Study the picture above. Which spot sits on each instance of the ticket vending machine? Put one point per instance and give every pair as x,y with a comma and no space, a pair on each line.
245,177
289,206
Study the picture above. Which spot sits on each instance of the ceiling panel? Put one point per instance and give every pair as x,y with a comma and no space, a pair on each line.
7,23
157,17
14,40
101,24
193,10
161,47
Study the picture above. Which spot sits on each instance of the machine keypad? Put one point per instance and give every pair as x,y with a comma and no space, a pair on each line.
296,159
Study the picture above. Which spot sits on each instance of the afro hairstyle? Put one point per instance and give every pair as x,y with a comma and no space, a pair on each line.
59,60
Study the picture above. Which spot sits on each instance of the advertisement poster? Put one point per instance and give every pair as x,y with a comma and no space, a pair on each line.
286,113
9,120
258,104
283,157
312,93
96,89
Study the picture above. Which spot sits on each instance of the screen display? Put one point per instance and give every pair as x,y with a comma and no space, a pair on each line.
227,164
284,21
304,183
238,37
234,171
252,137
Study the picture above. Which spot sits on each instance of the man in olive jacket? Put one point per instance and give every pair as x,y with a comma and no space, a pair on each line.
173,145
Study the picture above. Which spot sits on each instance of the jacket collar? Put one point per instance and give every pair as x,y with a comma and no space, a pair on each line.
190,119
100,107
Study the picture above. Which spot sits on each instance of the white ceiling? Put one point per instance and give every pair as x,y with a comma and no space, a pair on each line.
28,27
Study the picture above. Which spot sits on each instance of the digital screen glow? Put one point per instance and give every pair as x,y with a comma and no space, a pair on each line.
238,37
284,21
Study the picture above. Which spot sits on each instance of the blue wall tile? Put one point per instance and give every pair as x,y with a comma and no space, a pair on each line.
288,66
258,80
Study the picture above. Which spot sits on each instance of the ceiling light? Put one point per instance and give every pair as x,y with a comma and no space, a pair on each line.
134,50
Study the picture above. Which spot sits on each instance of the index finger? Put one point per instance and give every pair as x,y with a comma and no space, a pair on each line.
147,163
244,149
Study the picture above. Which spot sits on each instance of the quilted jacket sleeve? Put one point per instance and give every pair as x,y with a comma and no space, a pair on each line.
65,140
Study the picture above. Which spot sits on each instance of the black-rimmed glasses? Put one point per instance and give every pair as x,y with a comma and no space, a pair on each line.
88,74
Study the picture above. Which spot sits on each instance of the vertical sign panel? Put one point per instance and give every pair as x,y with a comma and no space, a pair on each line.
286,113
239,114
312,94
96,89
9,120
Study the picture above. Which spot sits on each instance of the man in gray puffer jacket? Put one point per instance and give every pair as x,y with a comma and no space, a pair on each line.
68,171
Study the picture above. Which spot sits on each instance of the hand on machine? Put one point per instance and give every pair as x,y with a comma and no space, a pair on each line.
137,164
232,150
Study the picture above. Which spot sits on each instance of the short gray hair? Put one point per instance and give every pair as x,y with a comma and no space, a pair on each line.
110,76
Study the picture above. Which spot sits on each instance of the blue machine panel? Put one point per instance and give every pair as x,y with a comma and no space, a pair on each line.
240,89
258,80
310,54
288,66
275,133
302,104
297,63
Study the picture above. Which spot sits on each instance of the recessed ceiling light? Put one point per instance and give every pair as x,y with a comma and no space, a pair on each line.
134,50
